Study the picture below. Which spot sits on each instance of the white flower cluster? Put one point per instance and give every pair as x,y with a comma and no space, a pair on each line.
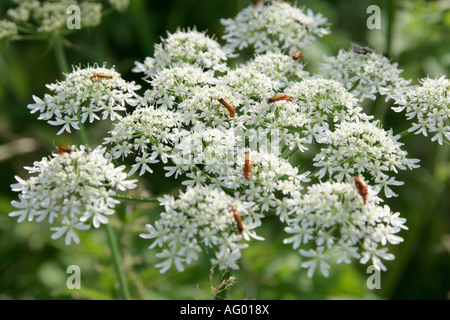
73,190
201,219
85,95
429,105
331,219
257,176
50,16
188,90
323,102
182,48
273,26
7,29
363,148
148,133
364,75
279,67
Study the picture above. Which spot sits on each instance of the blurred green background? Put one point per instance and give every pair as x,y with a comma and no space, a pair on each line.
32,266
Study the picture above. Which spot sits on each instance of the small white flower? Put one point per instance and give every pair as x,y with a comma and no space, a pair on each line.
157,232
173,257
68,229
226,258
142,163
197,179
374,254
302,234
318,259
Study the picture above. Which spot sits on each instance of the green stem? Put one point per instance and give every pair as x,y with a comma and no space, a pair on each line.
391,19
27,37
60,56
82,136
404,133
117,262
134,198
286,154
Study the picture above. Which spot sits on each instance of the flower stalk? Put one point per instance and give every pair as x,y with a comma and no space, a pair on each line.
112,240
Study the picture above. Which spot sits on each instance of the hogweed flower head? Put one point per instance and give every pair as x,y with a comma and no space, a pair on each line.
147,134
325,103
72,190
279,67
277,26
429,105
333,219
363,148
184,47
51,16
86,94
364,75
201,219
171,86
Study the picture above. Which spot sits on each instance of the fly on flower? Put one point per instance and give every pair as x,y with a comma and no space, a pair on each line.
278,97
248,165
237,218
297,55
101,76
362,188
359,49
227,106
64,149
